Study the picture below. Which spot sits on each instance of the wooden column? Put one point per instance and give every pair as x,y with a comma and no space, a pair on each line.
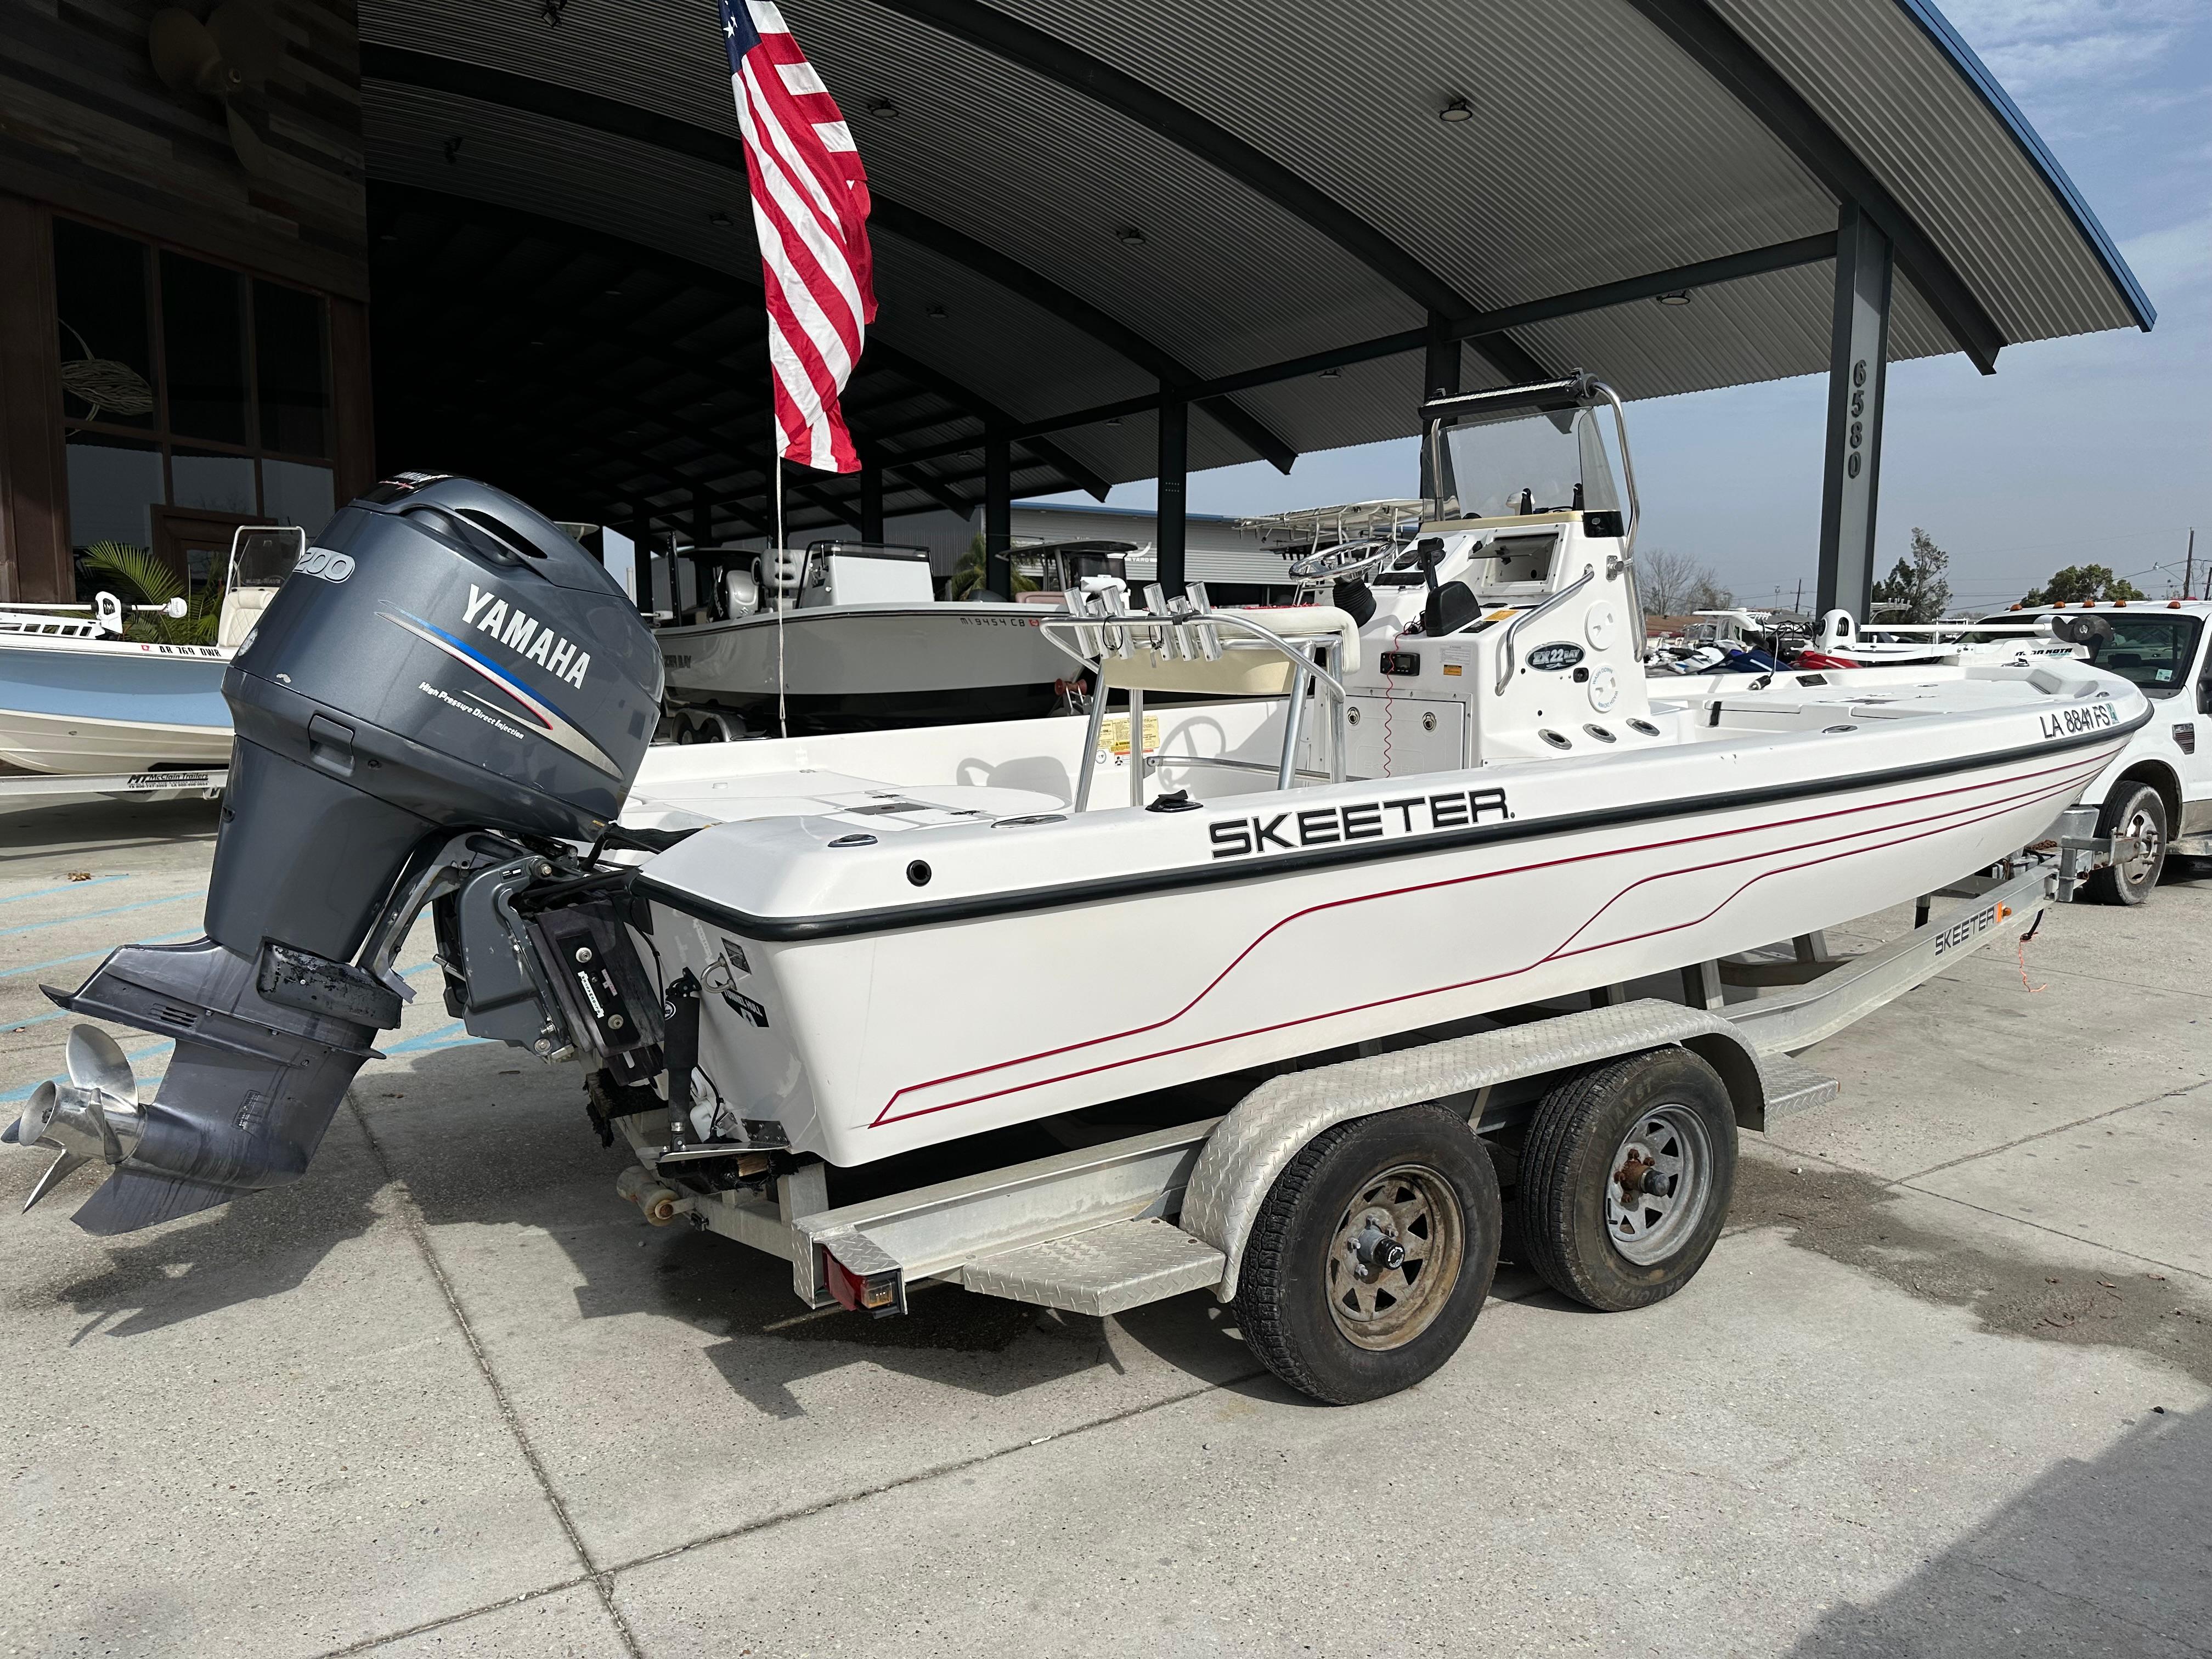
35,549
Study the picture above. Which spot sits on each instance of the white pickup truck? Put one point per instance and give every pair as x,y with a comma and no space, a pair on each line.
2158,792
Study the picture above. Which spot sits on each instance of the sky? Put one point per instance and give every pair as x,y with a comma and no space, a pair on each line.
2092,450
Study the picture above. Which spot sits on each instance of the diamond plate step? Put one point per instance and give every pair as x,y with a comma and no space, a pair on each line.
1793,1087
1106,1270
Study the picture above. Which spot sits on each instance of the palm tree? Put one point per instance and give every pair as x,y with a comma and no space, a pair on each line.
145,579
968,575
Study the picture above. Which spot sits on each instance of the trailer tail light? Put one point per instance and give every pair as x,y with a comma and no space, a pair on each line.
876,1294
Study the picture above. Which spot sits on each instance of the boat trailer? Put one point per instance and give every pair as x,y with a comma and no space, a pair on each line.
1103,1229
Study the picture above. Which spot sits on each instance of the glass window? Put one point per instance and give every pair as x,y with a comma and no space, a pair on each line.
107,357
287,364
2154,652
204,339
293,492
2153,649
114,484
216,483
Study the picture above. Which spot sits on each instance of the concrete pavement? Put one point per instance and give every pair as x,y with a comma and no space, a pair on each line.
1946,1388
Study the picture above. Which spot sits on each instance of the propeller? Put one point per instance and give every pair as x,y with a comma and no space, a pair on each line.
94,1114
229,58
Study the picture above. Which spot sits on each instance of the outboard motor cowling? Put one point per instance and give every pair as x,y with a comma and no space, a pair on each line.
446,683
445,659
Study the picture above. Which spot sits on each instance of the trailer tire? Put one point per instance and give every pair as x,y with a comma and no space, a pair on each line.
1320,1297
1662,1114
2135,809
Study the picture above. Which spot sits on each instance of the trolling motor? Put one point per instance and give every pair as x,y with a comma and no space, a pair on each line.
444,716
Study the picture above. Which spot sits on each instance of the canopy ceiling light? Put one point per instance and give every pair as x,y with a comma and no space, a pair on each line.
1456,111
1681,297
1129,236
883,108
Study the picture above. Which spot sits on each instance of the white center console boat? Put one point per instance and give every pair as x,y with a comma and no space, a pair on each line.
79,696
1326,891
845,636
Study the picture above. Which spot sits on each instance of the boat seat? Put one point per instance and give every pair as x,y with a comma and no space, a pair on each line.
1450,609
241,609
1250,670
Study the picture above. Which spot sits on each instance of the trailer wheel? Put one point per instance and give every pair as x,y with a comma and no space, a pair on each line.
1626,1177
1371,1255
2136,810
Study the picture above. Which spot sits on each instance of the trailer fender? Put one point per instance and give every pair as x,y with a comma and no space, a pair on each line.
1270,1126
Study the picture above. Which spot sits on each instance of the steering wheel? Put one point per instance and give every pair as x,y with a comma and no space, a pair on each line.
1344,561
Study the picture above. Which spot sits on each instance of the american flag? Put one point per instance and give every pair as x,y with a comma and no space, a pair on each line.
811,212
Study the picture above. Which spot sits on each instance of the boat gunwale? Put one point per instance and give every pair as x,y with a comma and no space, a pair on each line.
1065,894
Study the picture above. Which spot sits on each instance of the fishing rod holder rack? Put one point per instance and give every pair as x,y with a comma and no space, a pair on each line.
1184,645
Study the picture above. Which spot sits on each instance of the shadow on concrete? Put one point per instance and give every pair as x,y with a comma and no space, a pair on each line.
81,828
483,1137
2107,1557
244,1251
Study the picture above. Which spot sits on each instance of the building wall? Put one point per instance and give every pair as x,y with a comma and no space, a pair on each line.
268,187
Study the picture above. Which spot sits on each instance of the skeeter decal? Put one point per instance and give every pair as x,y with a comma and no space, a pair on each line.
1372,820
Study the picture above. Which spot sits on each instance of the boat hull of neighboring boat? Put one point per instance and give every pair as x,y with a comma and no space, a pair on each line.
91,707
903,662
1259,927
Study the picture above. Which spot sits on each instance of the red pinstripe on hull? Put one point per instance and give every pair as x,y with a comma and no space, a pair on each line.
2069,776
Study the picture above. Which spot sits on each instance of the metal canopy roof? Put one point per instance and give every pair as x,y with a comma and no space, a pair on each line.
1081,203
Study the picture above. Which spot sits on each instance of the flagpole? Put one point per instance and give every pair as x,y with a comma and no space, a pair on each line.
782,720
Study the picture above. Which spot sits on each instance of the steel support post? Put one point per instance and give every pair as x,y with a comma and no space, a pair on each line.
1439,379
1857,372
1171,538
871,500
998,513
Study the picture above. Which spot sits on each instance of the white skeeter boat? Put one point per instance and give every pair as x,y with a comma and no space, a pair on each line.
1468,799
78,698
1399,876
844,635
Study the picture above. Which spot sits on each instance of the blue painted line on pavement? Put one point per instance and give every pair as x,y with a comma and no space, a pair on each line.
69,887
88,916
87,956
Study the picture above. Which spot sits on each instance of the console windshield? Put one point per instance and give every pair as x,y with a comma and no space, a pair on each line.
1538,462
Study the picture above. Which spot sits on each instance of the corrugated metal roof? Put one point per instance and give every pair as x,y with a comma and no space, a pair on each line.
1897,81
1598,151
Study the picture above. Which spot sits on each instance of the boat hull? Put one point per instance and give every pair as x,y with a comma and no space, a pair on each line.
873,1037
94,706
859,656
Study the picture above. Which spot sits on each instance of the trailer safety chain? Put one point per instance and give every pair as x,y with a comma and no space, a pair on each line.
2021,954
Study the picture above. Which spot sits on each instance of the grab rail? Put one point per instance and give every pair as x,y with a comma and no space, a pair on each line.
1505,657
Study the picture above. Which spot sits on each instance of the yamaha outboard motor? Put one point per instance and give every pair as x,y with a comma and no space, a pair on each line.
447,697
